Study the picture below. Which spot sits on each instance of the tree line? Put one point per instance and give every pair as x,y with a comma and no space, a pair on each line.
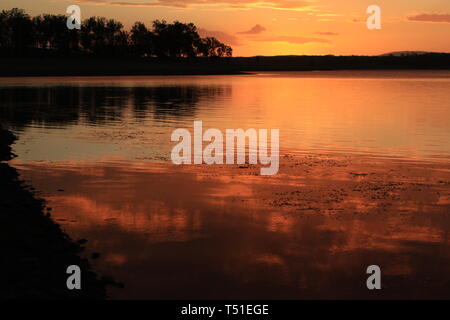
21,34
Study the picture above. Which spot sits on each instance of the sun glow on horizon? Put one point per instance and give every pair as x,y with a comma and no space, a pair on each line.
282,27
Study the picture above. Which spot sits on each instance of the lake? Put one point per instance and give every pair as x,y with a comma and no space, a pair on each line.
98,150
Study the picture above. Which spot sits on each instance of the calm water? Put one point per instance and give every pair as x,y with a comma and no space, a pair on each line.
401,114
98,150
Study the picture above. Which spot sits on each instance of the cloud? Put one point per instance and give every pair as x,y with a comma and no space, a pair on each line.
236,4
357,19
286,4
430,17
290,39
255,30
328,15
221,36
157,3
328,33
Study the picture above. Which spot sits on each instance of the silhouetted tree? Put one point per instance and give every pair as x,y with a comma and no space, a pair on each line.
175,39
93,34
51,32
141,39
16,30
211,47
115,36
101,36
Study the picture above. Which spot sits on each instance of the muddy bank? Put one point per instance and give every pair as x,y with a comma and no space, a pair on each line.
35,251
6,139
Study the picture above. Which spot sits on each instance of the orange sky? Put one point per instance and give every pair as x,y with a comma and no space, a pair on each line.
281,27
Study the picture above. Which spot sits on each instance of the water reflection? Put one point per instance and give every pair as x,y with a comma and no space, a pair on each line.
226,232
310,232
100,105
401,114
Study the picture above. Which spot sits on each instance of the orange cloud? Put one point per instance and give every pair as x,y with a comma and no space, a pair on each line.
274,4
290,39
255,30
430,17
165,3
221,36
328,33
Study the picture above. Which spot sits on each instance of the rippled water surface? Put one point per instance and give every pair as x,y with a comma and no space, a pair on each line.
98,150
401,114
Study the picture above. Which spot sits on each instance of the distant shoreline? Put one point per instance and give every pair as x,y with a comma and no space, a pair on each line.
98,66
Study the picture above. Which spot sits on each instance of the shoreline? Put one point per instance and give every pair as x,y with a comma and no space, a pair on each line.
38,251
107,66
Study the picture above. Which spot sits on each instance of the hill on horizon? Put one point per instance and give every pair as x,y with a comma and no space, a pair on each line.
409,53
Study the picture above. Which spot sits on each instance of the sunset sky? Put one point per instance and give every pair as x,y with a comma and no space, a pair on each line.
282,27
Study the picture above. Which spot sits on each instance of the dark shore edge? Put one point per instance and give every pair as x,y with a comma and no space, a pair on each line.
35,250
41,66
